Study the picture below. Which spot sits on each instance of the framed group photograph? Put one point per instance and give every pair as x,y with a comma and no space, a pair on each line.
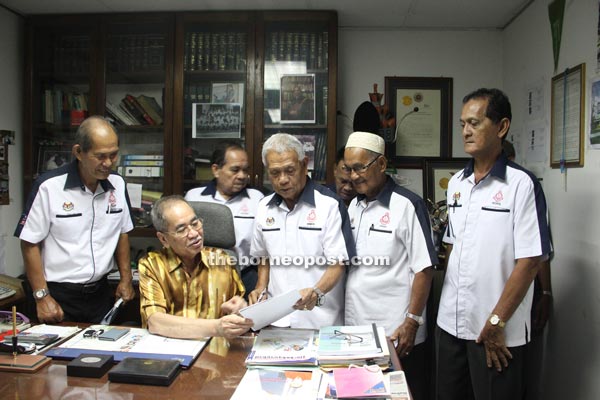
52,157
216,120
422,108
567,118
298,99
436,175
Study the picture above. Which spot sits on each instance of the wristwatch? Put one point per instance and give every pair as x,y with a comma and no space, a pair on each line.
420,320
320,296
40,293
496,321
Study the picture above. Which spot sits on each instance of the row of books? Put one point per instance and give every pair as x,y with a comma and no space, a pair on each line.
65,55
62,107
215,51
136,52
141,165
312,48
132,110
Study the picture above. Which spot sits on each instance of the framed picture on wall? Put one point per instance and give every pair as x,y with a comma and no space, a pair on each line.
52,157
567,118
298,99
436,175
422,108
216,120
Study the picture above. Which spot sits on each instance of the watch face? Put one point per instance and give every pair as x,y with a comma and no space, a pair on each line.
494,320
39,294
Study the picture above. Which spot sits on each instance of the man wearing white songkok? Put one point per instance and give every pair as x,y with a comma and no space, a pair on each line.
389,223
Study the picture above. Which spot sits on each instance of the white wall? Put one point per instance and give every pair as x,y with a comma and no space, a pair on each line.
11,106
573,355
472,58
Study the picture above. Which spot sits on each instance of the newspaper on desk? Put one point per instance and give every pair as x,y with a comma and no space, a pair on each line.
137,342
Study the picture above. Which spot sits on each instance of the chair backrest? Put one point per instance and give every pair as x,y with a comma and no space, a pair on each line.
218,224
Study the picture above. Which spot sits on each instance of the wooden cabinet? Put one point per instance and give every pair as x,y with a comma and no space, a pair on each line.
176,85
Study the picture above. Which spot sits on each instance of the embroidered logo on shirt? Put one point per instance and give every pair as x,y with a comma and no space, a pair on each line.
498,197
312,216
244,208
112,200
385,219
456,196
270,221
68,206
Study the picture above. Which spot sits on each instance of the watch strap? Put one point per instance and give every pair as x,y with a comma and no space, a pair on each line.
418,318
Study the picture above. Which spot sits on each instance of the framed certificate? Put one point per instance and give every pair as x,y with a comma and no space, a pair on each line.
422,108
567,116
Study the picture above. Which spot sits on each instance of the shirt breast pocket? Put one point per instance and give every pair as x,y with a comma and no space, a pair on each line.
69,226
495,216
381,240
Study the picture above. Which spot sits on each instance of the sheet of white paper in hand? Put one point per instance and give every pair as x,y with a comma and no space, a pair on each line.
274,308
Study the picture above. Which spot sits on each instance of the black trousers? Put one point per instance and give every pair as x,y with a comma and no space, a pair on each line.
83,303
417,369
462,372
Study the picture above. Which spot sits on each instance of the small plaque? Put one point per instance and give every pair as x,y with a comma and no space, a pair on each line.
90,365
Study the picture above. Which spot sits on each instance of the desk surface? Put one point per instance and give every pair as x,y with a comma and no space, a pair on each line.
214,375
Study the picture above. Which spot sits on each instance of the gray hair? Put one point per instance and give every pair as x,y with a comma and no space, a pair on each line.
158,210
280,143
85,132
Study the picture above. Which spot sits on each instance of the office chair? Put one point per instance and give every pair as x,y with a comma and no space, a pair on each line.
219,230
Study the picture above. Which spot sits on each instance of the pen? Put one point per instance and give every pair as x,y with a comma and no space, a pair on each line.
14,336
261,295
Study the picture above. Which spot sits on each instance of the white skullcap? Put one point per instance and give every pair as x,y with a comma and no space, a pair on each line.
366,140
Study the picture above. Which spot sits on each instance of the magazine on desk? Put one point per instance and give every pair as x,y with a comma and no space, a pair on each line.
137,342
283,347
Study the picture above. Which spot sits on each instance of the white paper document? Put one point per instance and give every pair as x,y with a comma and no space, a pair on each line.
266,312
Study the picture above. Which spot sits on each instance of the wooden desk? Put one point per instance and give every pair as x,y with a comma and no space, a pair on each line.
215,375
16,299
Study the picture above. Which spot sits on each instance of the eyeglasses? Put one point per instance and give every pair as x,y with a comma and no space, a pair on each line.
349,337
360,169
184,230
93,333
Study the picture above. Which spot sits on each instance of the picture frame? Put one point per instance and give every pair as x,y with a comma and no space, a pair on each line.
436,174
216,120
228,92
52,157
298,99
568,127
422,108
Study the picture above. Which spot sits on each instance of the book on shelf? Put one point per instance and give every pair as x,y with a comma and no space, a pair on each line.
152,108
283,347
142,163
142,157
137,110
141,172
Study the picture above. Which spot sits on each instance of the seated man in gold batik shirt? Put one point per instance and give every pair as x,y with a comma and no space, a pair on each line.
187,290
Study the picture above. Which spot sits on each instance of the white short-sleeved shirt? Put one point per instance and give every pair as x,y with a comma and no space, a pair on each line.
394,225
79,230
243,208
491,224
317,228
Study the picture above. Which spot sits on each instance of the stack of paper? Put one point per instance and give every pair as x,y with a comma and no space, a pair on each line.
272,384
345,345
283,347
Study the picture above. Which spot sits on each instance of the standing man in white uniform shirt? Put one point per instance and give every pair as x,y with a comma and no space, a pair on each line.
497,234
307,223
392,223
230,168
74,230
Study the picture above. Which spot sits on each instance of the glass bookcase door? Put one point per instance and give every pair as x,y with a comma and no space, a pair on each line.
136,99
60,95
215,103
296,85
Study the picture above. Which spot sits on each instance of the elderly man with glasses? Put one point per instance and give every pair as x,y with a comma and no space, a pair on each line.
390,224
188,290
